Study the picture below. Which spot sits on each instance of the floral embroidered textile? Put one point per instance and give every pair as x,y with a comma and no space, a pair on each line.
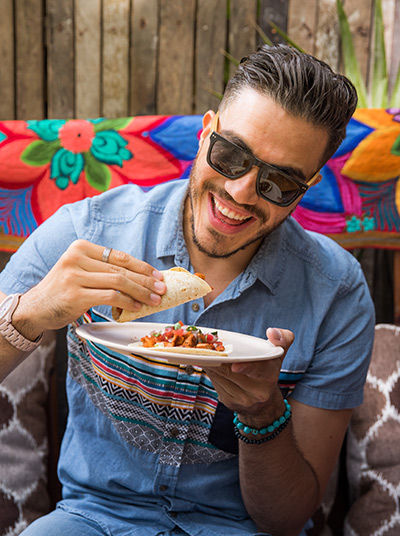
45,164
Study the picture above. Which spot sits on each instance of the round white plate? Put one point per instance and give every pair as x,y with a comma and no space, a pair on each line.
119,337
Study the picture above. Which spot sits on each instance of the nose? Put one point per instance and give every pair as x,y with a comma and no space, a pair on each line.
243,190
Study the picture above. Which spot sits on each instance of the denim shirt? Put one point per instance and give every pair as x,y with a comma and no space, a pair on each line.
153,437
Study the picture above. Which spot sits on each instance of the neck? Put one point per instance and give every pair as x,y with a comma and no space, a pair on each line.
219,271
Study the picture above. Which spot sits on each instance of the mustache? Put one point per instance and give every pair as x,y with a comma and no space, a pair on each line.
223,194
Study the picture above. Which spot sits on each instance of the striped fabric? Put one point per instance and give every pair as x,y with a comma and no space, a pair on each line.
150,402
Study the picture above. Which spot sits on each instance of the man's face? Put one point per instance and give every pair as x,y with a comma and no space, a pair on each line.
226,215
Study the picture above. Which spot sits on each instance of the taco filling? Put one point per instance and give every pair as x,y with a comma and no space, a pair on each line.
188,337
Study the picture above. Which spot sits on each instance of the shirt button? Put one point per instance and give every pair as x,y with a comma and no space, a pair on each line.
174,432
189,369
195,307
163,487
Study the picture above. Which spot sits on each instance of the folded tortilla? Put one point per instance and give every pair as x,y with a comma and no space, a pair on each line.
182,286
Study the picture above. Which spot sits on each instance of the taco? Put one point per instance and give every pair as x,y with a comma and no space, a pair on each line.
179,338
182,286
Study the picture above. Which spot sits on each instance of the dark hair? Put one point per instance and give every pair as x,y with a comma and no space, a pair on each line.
303,85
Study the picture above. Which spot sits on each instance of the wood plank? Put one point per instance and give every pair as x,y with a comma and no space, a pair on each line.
211,36
29,59
388,9
87,58
176,52
275,11
302,23
327,33
115,68
60,58
359,15
395,57
7,102
144,41
242,34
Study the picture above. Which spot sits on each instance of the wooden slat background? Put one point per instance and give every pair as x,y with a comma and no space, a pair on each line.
90,58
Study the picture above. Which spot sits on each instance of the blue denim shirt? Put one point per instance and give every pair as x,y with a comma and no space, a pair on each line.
151,442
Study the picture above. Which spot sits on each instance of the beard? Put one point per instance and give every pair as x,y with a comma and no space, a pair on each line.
215,248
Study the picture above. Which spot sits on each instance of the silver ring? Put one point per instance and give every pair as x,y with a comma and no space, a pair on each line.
106,254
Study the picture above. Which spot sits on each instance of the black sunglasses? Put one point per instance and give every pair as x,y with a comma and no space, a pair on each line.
233,162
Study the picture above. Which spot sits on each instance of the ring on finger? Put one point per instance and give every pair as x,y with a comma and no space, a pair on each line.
105,257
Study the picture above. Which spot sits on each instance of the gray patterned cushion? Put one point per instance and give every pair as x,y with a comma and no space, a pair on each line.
23,441
374,444
23,438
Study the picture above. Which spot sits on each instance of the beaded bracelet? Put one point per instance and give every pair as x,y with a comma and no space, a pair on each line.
264,439
267,429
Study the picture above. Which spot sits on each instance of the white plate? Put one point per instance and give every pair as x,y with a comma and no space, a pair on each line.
118,337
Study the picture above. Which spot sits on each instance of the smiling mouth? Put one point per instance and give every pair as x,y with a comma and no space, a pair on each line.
227,216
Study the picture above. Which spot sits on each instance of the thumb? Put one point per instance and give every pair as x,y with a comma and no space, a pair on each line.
280,337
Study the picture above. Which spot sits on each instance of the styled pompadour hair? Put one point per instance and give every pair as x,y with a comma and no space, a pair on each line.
303,85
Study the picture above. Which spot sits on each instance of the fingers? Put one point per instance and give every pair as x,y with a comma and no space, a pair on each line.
134,278
113,276
82,248
93,297
120,282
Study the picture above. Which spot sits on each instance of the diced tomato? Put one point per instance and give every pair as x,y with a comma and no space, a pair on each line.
211,338
179,332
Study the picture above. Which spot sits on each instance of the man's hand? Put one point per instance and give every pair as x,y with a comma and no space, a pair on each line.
251,388
80,280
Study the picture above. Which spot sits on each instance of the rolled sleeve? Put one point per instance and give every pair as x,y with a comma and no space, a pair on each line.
337,372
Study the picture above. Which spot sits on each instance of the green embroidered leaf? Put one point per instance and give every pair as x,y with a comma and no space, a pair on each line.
396,147
112,124
97,174
39,152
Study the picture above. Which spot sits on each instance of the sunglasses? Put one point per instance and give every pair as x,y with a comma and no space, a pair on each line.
233,162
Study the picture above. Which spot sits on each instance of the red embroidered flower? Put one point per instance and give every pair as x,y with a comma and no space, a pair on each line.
77,135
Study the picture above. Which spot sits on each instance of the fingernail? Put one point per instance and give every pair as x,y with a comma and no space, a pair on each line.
159,285
157,274
275,333
155,298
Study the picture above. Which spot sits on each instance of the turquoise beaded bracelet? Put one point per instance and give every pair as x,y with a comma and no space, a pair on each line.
266,429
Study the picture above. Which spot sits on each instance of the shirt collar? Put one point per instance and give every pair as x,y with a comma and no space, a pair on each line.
267,265
269,262
170,239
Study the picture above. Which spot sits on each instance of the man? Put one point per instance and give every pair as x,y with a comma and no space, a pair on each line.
152,448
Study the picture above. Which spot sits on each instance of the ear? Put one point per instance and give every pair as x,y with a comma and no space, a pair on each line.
207,119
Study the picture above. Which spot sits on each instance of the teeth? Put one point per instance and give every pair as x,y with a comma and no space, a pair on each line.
228,213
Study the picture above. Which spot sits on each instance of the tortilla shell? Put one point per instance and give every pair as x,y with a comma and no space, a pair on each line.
183,350
182,286
189,350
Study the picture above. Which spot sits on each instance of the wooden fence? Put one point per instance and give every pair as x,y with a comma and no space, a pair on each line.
90,58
